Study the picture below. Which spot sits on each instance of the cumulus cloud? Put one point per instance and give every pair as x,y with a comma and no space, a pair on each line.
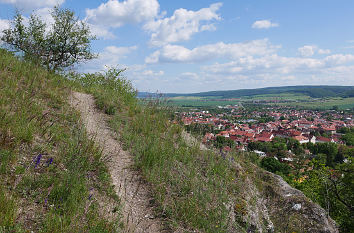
115,14
264,24
4,24
32,4
180,54
307,50
324,51
310,50
189,76
152,73
100,31
182,25
276,65
110,56
274,70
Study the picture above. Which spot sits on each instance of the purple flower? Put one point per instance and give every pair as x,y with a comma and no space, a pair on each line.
90,196
37,160
49,161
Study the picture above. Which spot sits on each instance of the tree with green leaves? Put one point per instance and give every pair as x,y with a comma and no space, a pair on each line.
63,44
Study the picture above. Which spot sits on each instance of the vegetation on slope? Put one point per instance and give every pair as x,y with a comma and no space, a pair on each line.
52,176
198,189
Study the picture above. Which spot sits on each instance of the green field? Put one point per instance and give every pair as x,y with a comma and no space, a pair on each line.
286,99
327,103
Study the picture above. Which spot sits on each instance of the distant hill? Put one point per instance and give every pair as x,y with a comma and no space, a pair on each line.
312,91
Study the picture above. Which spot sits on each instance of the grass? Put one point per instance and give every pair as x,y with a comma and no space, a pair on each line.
193,189
53,178
49,167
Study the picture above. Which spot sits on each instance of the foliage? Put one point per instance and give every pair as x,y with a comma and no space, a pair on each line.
66,43
117,93
199,129
189,185
221,142
348,138
332,189
48,165
273,165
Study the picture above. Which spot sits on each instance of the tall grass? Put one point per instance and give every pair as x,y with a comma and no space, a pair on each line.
192,189
52,175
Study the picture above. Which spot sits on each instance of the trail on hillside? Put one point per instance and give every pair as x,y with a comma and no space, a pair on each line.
129,185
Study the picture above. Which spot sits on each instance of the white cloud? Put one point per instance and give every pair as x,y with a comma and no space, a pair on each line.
180,54
310,50
307,50
189,76
115,14
110,56
276,66
152,73
32,4
339,59
4,24
275,70
324,51
100,31
182,25
264,24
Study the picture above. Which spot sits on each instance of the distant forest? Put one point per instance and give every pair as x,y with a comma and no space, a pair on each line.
312,91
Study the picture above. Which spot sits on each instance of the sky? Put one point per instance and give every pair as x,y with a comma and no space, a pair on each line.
189,46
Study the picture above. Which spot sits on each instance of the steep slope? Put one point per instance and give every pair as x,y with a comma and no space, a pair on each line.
197,189
52,178
129,185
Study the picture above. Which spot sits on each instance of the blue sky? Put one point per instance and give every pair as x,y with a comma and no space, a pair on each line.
192,46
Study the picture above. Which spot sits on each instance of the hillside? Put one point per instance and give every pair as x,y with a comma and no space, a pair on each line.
312,91
56,176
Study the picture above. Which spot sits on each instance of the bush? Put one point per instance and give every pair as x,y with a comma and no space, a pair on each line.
273,165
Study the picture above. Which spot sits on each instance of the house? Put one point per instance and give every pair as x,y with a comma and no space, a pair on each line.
329,129
301,139
321,139
260,153
264,137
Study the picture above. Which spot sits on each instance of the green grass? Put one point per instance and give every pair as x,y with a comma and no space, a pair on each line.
49,167
191,187
323,104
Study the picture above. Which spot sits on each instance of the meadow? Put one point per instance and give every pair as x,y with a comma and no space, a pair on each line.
291,100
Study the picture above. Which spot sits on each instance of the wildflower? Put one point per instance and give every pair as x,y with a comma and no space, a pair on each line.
37,160
90,196
49,161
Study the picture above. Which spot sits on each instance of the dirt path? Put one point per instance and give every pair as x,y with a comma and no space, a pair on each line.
130,187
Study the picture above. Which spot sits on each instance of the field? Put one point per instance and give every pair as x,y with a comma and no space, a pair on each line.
326,103
285,99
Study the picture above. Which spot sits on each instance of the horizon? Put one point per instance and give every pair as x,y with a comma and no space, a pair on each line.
192,47
247,89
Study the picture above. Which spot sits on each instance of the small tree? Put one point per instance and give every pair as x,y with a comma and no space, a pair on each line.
64,44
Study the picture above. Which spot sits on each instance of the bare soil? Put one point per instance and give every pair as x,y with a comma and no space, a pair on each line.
133,191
